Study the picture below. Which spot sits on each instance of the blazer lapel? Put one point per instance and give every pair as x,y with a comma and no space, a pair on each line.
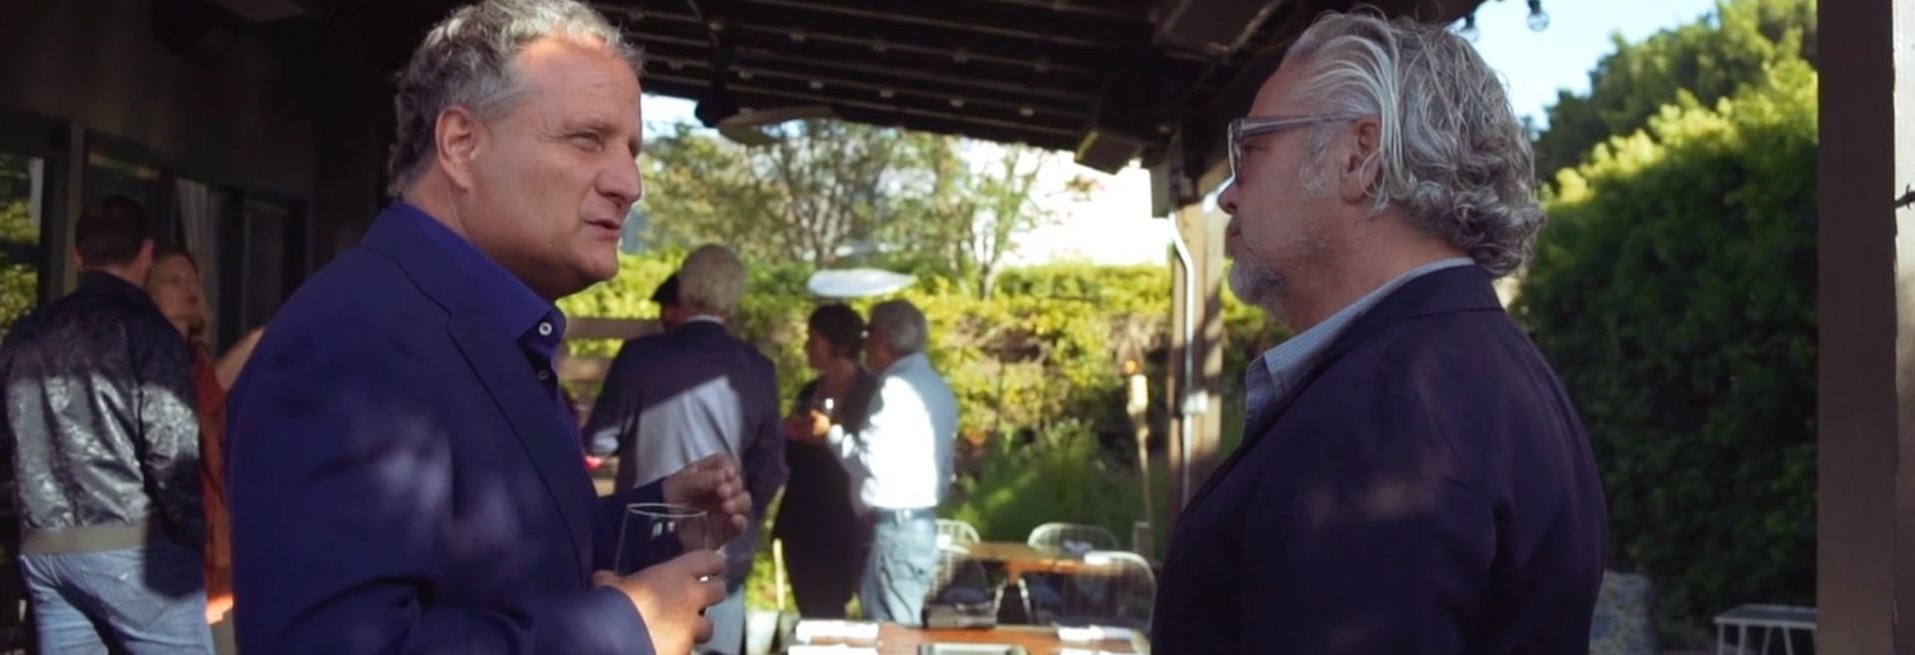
1256,424
504,372
501,367
1464,288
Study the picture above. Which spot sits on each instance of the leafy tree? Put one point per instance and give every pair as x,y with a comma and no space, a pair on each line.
830,190
815,194
1674,291
1692,66
978,198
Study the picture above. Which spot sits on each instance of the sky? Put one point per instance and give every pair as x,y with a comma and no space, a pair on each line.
1115,225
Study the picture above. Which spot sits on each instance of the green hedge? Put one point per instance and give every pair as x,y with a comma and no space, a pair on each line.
1674,291
1035,370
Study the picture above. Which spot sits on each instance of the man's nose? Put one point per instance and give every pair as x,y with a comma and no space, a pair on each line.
622,184
1228,201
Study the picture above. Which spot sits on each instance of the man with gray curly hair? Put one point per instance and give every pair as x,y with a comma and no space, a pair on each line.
405,471
1412,476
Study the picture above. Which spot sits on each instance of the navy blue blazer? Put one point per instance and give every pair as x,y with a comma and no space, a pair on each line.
402,483
1427,490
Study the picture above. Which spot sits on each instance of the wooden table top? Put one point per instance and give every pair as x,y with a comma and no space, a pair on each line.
1012,551
895,639
1021,558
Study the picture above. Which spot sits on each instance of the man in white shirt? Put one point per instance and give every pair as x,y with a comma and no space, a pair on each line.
900,463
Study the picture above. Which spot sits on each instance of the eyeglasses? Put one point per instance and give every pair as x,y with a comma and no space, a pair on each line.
1244,128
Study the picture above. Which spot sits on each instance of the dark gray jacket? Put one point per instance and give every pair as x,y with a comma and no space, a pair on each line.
100,421
674,398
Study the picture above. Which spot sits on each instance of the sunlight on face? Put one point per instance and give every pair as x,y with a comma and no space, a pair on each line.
558,173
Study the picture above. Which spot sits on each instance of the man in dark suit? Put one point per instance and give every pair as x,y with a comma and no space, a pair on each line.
404,474
691,392
1412,477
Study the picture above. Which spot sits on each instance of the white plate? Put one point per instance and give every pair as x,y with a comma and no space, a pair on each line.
1092,634
808,631
839,649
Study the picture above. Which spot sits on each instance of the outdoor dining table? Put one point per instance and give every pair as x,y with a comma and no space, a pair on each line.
895,639
1019,558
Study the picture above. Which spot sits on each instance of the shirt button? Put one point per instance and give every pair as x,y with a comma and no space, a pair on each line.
545,328
545,376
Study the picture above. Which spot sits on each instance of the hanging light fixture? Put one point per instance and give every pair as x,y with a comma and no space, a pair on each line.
1538,21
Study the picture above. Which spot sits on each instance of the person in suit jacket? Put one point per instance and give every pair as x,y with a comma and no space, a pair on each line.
1412,477
691,392
405,477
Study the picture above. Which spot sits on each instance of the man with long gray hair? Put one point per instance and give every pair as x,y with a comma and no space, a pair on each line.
406,474
1412,476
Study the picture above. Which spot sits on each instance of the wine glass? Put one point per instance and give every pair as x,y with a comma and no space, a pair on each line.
657,526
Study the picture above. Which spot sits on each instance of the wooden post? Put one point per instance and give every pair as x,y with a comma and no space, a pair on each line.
1865,506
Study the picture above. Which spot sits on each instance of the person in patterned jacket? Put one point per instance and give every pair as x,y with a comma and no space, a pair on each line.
100,418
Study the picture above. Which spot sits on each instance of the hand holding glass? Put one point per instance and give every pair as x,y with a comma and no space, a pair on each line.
652,527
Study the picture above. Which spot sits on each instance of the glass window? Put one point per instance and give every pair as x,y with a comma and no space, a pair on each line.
262,260
107,175
203,215
23,190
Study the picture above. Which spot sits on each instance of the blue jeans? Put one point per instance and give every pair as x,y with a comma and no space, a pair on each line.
143,600
904,559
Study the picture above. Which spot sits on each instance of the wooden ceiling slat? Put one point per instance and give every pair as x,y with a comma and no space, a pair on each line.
1040,26
926,121
1061,60
871,80
824,25
896,61
768,94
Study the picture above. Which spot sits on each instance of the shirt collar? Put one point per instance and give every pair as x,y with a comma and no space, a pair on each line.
907,363
1284,366
519,311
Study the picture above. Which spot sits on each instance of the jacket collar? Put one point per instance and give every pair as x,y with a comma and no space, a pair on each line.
495,356
1447,291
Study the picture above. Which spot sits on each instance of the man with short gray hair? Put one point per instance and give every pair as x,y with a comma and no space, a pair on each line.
694,391
900,462
1412,477
405,471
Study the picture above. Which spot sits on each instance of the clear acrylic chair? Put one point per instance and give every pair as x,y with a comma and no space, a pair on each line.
952,532
1108,588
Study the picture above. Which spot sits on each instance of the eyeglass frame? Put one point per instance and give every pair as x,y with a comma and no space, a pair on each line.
1250,126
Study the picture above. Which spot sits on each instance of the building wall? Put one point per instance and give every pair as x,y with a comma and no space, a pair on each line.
287,108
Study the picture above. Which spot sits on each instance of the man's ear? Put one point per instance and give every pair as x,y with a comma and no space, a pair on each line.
457,138
1361,174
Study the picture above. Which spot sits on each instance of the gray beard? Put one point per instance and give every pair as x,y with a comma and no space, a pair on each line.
1256,285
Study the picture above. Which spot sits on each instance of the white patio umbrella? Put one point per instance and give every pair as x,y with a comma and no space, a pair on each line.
857,283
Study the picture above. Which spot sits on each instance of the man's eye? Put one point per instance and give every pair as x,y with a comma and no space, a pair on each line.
588,140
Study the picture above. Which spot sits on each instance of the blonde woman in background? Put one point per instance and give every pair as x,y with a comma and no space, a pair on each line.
174,283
